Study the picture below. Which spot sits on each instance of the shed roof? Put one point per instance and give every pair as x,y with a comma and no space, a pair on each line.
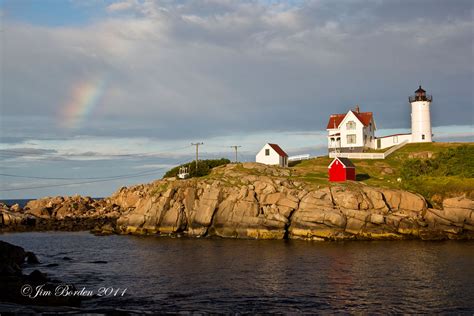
278,149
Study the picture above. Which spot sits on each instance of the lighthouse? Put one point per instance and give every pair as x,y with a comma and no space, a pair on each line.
420,116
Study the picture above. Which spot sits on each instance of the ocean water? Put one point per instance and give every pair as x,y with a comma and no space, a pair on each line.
255,276
21,202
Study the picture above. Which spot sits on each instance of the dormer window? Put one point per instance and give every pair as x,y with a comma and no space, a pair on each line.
350,125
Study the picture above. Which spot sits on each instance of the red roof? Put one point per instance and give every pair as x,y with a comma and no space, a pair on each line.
278,149
336,119
364,117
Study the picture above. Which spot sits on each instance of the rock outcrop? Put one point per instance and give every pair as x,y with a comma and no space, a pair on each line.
256,201
59,213
23,289
237,203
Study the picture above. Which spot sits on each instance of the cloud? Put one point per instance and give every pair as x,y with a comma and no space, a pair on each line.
207,68
121,6
26,154
151,166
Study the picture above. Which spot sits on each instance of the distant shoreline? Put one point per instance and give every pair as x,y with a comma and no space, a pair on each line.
23,202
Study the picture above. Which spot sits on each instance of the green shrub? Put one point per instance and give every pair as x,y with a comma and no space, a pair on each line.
452,162
203,168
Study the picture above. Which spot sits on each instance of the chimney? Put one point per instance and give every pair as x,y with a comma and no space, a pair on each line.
357,109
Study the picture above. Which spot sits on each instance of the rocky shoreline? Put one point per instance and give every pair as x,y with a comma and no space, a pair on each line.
250,201
74,213
20,288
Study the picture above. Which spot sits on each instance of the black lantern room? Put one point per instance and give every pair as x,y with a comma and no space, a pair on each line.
420,95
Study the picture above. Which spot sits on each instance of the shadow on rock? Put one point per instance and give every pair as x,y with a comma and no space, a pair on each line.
33,289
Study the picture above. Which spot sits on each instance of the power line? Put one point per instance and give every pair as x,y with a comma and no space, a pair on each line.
74,183
39,158
7,152
157,170
73,178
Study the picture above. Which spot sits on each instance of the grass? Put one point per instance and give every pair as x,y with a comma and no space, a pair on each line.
447,171
159,189
435,189
385,173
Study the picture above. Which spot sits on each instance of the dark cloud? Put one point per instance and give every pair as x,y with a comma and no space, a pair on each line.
12,139
27,151
207,68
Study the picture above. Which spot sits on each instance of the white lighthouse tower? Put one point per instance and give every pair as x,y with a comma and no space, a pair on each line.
420,116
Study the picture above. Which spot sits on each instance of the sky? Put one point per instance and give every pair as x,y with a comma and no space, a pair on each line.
97,94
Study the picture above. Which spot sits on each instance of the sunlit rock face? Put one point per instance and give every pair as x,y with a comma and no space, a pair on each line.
250,201
256,201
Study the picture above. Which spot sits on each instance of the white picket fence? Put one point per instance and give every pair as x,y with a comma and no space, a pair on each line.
368,155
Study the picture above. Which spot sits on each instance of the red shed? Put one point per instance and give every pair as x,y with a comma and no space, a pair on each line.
341,169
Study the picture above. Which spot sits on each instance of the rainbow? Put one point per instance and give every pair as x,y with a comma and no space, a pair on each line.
83,98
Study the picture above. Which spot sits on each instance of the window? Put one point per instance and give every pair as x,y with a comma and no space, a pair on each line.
351,139
395,139
423,136
267,152
350,125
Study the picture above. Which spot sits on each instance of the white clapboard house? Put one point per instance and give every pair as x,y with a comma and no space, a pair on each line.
351,132
272,154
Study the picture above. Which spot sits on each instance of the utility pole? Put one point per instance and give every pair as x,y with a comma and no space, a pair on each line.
197,152
235,148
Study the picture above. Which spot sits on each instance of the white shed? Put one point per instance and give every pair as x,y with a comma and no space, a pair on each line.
272,154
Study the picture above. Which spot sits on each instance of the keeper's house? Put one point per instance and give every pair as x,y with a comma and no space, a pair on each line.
272,154
351,132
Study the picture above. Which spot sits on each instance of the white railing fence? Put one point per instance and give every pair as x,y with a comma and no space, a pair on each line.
298,157
368,155
394,148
